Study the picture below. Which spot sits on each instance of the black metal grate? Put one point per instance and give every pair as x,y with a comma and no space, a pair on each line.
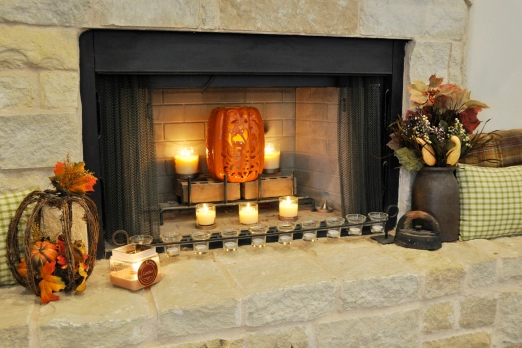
128,157
360,124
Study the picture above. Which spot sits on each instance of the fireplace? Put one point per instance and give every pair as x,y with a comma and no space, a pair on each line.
182,62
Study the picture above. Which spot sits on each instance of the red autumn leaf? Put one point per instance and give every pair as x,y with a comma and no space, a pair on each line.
62,261
59,169
49,283
469,119
22,268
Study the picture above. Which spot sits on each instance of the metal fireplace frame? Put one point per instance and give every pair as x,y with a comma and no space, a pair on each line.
202,60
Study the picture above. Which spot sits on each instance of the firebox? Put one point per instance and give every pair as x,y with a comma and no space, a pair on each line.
133,71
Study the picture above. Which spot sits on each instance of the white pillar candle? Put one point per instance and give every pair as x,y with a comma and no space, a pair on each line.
248,213
288,207
186,162
272,156
205,214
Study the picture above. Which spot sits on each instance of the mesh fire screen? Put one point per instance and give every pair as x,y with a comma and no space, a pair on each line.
128,158
360,125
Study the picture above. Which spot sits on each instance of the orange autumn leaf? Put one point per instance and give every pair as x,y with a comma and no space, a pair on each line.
22,268
49,283
73,177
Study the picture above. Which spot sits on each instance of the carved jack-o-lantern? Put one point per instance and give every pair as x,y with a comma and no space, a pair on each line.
235,143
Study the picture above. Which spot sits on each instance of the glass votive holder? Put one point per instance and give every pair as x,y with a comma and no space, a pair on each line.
200,241
248,213
205,216
286,226
272,157
171,237
140,239
355,219
334,224
230,244
258,232
288,208
378,217
172,250
186,162
310,230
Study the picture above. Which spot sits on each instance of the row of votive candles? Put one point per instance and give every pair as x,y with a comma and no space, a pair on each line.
248,212
286,229
186,159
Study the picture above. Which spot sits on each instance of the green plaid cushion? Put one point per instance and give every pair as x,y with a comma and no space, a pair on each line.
9,202
490,201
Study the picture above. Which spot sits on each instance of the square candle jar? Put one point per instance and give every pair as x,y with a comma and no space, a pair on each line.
134,266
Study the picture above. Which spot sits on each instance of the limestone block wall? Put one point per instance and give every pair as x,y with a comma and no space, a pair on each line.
40,114
350,292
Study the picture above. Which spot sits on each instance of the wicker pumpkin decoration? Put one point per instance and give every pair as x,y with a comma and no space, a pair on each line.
235,143
53,263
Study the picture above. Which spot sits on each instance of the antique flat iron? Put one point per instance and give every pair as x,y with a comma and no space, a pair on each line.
417,238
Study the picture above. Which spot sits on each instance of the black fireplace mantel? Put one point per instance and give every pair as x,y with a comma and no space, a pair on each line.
201,60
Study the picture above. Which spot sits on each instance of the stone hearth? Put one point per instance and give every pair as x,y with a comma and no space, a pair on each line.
351,292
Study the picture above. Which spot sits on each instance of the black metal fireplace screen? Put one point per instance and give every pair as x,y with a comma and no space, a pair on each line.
118,68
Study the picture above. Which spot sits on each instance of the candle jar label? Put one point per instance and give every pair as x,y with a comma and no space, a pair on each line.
147,272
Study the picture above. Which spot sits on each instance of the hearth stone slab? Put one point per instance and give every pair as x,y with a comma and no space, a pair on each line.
286,285
194,296
478,311
292,336
511,265
438,316
107,315
481,258
221,299
389,283
377,330
17,306
444,273
510,318
475,340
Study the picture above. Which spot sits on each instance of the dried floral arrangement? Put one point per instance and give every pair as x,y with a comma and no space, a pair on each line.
55,263
437,129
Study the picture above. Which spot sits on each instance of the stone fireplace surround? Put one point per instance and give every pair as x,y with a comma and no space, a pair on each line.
476,296
275,68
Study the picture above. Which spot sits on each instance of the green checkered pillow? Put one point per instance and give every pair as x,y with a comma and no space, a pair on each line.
490,201
9,202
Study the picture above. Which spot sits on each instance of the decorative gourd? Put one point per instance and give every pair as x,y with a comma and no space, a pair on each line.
51,260
235,143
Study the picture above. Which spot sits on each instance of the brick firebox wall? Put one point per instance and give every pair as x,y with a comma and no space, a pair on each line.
303,121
